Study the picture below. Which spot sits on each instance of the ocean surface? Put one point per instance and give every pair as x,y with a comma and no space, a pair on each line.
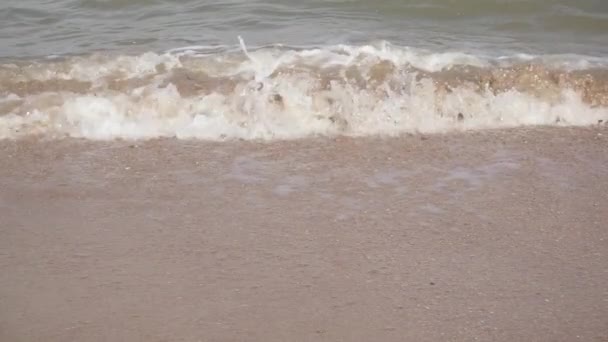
253,69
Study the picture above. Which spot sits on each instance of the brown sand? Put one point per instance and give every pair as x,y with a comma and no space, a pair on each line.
492,236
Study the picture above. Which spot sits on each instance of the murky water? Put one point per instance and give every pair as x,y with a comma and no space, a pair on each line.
40,28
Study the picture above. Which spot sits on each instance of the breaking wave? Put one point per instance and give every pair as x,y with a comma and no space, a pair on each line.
279,92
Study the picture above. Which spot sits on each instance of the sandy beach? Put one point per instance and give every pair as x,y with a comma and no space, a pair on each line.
489,236
319,170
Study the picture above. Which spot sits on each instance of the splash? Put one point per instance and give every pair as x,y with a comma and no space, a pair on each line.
280,92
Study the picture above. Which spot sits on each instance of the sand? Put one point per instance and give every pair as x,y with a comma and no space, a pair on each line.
489,236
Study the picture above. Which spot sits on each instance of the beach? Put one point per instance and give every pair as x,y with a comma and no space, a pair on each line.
496,235
303,170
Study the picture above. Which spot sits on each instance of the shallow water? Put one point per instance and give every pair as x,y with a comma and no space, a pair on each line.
39,28
290,69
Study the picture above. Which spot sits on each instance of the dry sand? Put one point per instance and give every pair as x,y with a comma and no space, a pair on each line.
489,236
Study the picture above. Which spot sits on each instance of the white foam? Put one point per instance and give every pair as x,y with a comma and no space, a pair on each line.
248,114
271,106
219,61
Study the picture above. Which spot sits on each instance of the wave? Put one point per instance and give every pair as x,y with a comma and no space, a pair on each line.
279,92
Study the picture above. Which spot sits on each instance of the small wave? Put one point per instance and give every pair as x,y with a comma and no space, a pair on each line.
279,92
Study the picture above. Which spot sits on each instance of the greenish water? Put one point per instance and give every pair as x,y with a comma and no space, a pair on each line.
34,28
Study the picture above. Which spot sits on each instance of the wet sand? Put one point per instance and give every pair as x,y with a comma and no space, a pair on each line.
489,236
